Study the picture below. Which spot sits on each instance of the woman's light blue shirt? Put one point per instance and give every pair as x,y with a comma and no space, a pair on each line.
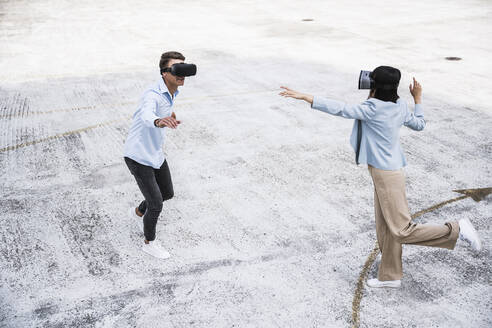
381,122
144,141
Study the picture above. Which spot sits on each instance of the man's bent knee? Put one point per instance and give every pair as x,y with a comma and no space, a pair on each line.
168,196
155,206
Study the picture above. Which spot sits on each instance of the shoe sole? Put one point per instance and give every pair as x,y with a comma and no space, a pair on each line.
134,216
157,257
474,235
384,286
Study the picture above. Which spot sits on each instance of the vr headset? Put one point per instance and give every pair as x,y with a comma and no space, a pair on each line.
388,78
181,69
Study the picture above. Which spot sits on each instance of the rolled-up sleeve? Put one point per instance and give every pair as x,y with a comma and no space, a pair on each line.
149,111
362,111
415,120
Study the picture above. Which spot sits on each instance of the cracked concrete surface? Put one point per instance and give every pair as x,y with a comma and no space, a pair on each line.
271,221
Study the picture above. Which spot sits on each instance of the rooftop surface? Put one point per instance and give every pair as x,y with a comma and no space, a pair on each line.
271,222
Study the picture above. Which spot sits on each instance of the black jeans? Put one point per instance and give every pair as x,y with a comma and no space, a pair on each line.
156,186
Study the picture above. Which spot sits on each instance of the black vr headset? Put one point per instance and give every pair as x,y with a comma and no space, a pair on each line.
383,77
181,69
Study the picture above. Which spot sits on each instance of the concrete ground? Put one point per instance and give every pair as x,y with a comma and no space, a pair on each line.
272,221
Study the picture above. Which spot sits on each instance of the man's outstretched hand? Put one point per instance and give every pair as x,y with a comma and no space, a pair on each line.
170,122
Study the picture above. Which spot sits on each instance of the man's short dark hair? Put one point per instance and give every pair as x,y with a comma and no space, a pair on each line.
167,56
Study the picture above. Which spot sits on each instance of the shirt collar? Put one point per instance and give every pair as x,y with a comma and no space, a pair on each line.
163,88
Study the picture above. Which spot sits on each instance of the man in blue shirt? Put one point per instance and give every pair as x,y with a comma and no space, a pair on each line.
143,149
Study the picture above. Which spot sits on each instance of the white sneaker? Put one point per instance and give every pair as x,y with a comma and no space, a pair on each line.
138,219
469,234
155,249
375,283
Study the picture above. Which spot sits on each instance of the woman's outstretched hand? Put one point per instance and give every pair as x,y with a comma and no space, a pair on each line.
416,91
289,93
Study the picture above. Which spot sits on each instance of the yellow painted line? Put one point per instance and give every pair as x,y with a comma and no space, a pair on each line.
359,290
435,207
60,110
29,143
181,101
360,286
57,136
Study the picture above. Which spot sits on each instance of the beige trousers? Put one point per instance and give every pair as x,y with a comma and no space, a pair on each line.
394,225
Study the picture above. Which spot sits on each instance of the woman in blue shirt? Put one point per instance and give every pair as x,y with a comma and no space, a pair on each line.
375,139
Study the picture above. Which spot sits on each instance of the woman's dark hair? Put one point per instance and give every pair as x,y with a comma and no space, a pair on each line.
386,95
386,83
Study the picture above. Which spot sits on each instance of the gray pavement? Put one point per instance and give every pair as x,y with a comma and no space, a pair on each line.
271,221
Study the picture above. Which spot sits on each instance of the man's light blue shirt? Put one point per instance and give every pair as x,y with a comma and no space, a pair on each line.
144,141
381,122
